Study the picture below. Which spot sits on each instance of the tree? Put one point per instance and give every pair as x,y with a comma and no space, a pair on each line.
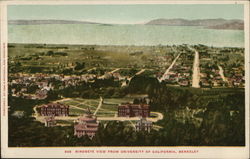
79,66
52,95
50,53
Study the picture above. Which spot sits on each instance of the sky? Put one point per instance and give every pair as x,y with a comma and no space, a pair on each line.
125,14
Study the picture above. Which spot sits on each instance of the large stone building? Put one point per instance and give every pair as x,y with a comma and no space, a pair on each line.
133,110
143,125
86,125
54,109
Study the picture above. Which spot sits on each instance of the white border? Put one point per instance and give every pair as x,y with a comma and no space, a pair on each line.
204,152
4,76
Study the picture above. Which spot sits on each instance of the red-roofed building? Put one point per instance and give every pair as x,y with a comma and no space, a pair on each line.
54,109
133,110
86,125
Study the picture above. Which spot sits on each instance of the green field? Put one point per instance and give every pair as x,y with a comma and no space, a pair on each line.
117,100
75,112
108,108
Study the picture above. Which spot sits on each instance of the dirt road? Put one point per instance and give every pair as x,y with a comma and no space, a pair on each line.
221,72
169,68
196,69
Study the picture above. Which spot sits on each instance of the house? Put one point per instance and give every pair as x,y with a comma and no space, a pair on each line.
86,125
54,109
41,94
23,90
133,110
183,83
42,84
143,125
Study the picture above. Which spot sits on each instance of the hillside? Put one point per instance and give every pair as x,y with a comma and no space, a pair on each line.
207,23
229,26
37,22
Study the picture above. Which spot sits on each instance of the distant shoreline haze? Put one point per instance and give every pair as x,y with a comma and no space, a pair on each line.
234,24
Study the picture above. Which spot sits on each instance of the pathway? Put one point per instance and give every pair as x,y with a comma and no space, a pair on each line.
37,116
157,127
77,107
159,116
99,106
132,124
62,100
82,103
155,119
111,72
140,72
94,68
169,68
115,70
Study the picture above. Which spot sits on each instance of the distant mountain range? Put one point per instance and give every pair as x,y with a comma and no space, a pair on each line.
206,23
37,22
228,26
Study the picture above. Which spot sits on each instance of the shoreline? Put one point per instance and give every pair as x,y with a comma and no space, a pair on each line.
159,45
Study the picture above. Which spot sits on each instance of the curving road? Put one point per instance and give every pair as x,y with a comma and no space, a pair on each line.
155,119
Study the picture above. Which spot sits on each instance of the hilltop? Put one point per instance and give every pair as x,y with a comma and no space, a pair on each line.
51,21
207,23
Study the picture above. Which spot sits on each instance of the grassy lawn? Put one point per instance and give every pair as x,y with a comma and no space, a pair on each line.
70,102
108,109
83,103
92,109
73,111
117,100
92,102
105,114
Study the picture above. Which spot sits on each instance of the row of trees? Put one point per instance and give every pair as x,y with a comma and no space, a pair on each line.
26,132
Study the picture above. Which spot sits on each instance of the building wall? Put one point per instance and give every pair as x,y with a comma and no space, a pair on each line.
132,111
143,126
57,111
